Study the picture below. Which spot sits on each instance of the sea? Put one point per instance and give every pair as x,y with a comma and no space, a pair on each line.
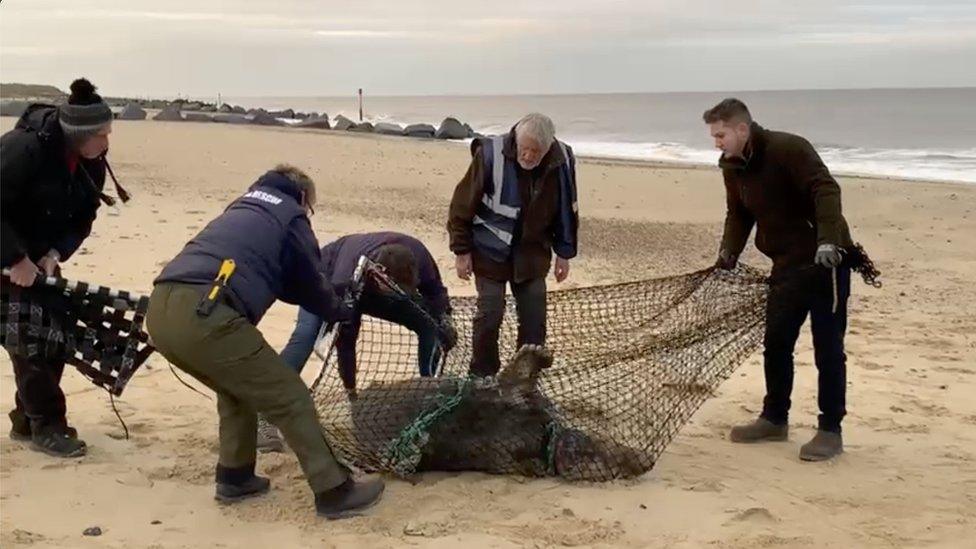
920,133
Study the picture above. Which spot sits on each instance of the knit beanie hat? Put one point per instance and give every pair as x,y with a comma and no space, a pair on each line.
85,114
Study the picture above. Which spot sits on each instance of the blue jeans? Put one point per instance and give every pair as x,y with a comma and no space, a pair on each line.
398,311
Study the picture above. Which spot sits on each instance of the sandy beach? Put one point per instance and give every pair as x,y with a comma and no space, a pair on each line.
907,479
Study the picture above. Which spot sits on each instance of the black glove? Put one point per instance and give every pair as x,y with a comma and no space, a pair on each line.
447,332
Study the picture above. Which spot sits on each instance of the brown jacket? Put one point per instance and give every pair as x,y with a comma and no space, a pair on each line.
532,245
784,189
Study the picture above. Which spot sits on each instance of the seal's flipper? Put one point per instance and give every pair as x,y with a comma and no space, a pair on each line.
523,370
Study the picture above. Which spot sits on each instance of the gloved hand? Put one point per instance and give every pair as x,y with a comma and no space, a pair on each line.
447,332
828,256
726,260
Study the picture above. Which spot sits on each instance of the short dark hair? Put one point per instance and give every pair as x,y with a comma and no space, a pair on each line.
400,264
728,110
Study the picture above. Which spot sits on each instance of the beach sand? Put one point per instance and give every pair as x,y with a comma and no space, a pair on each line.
908,478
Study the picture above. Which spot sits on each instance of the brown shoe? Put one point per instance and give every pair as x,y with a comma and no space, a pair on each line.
760,430
824,445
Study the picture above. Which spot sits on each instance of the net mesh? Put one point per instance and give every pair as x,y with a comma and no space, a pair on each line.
97,330
630,365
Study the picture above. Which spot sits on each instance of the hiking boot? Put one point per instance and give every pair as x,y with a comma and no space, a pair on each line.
349,499
58,442
230,493
20,428
269,439
237,483
760,430
823,446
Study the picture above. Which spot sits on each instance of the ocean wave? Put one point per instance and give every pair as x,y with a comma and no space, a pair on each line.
935,165
942,164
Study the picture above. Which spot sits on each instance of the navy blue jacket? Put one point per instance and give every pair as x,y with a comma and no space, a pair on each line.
339,261
268,235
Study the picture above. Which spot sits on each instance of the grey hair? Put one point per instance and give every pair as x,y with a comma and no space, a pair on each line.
537,126
304,182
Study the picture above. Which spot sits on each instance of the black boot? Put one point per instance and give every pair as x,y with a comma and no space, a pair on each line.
57,441
237,483
349,499
20,427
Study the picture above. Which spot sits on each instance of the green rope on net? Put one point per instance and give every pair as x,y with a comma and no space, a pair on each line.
552,431
405,451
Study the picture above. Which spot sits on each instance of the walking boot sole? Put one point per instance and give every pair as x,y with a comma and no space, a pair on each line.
234,499
817,457
80,452
278,448
769,438
359,511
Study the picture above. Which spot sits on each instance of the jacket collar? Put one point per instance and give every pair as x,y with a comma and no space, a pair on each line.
752,153
275,181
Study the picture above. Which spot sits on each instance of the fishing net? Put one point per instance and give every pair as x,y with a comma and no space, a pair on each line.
630,364
95,329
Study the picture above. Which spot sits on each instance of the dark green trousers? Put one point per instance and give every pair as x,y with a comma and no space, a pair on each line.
228,354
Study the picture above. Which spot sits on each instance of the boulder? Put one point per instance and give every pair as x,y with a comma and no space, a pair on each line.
231,118
314,114
419,130
252,112
469,130
451,128
343,124
132,112
198,117
13,108
170,113
225,108
320,122
287,113
194,106
238,110
262,118
362,127
208,108
385,128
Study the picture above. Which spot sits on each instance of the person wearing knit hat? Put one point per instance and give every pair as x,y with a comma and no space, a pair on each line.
86,120
52,174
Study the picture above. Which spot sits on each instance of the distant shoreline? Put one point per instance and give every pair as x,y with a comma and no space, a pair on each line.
197,111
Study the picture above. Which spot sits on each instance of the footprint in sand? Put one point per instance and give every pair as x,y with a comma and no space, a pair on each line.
706,486
868,365
24,537
754,515
429,529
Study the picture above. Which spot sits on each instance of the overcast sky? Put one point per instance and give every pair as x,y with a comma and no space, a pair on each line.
309,47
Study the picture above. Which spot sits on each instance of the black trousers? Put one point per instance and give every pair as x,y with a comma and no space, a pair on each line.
39,398
530,306
822,294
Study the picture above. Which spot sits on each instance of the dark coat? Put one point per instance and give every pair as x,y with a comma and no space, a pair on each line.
43,204
785,190
536,230
269,237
